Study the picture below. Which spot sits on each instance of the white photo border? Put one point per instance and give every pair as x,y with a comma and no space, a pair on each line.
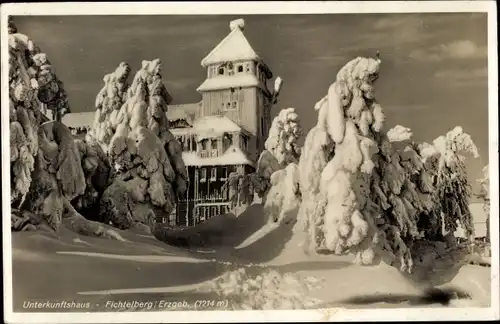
222,8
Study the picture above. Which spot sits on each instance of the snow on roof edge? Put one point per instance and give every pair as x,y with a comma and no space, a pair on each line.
237,157
226,82
252,56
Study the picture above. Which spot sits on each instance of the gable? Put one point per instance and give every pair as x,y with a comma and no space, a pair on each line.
232,48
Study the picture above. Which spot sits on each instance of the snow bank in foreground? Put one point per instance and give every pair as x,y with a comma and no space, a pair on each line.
266,290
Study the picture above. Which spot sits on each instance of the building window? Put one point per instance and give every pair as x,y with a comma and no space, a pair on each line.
213,174
203,175
240,68
244,142
224,173
214,144
221,71
232,90
248,67
227,141
204,144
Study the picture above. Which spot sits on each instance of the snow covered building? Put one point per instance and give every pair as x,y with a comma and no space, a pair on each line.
224,132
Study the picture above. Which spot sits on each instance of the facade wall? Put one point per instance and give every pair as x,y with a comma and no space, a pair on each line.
206,195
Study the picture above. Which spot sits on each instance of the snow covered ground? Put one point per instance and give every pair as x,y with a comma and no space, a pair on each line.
80,268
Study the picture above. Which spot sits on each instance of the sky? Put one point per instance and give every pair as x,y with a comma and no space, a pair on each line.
434,72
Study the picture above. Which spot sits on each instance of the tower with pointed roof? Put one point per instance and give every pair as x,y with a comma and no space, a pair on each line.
236,86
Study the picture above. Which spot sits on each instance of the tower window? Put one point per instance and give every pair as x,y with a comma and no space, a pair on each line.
204,144
240,68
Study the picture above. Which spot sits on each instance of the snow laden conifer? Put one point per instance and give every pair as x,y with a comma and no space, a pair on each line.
365,191
452,189
281,148
108,104
277,170
145,155
484,195
32,87
46,163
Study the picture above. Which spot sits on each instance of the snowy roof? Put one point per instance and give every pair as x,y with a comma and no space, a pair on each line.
234,47
80,119
183,112
230,81
175,112
209,126
233,156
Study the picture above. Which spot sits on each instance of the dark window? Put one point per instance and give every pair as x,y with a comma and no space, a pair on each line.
240,68
213,173
221,71
232,90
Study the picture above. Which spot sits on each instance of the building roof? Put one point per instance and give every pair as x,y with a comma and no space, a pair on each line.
233,156
175,112
81,119
186,112
234,46
230,81
209,127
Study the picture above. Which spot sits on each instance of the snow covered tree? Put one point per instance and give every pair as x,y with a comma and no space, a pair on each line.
33,67
453,191
146,156
46,164
276,178
281,149
109,101
484,195
364,191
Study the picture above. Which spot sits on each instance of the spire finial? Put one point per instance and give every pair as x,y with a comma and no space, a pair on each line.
237,23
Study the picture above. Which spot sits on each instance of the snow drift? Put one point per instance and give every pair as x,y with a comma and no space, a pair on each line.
265,289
